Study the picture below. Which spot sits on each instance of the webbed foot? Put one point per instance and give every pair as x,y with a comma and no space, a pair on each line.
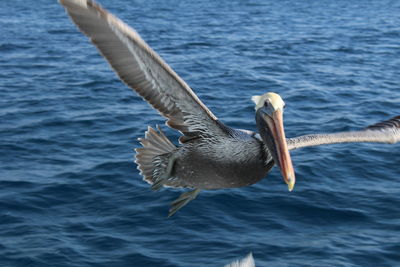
182,200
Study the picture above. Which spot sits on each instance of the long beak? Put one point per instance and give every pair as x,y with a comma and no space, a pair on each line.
285,162
280,150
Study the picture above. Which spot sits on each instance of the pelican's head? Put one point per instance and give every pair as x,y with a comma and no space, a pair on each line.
269,118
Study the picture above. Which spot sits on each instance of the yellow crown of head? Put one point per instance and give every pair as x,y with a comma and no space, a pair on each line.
274,99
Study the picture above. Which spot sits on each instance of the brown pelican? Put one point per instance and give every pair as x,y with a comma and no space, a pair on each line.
211,155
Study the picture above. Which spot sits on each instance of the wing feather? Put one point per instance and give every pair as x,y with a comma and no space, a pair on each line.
142,69
383,132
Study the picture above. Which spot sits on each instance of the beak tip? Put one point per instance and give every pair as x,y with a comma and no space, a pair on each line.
290,183
290,187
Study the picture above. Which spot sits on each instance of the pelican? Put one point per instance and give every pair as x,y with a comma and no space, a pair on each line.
211,155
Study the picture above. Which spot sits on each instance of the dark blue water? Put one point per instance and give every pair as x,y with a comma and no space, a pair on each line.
70,194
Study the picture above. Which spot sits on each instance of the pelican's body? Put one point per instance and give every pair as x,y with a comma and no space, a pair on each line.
235,160
211,155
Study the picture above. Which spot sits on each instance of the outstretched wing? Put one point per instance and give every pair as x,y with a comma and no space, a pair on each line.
383,132
142,69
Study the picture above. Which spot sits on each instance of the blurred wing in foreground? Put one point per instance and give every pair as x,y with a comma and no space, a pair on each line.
246,262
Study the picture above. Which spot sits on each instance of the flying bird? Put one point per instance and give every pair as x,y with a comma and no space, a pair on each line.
211,155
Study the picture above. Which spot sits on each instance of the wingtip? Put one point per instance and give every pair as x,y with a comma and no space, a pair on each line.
75,2
248,261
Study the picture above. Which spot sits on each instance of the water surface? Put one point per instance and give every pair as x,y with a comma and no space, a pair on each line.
70,194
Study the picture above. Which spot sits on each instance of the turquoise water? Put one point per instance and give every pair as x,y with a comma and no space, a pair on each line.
70,194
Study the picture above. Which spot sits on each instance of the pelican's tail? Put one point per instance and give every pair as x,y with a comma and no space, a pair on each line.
155,143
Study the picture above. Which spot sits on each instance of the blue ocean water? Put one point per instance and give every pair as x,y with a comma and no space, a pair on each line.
70,194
